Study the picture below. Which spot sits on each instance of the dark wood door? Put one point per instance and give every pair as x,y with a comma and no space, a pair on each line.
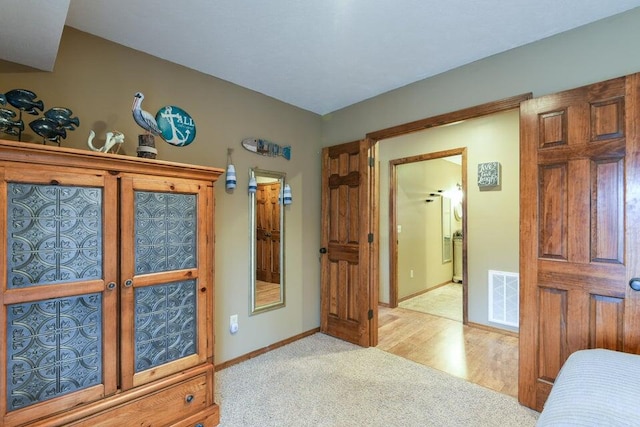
268,232
349,292
580,216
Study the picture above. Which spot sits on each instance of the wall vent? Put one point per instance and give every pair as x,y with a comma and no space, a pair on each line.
504,298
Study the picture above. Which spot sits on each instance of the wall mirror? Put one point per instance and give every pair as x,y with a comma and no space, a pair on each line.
266,215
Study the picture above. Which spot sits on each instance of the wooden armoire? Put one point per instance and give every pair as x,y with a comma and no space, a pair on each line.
107,292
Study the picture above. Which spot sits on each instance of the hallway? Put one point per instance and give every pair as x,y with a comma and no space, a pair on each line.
443,301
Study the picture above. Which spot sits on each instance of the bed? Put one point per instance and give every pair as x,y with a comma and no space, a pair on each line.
595,388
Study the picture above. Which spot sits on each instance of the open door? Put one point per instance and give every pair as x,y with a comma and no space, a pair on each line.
349,289
579,221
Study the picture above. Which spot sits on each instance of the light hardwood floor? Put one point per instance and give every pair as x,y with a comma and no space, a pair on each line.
484,357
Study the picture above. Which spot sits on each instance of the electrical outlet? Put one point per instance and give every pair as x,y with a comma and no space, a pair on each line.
411,273
233,323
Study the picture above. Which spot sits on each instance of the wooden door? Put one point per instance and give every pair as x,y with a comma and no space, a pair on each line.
579,223
349,295
268,232
165,277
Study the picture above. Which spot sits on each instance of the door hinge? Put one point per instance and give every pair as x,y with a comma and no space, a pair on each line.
370,314
370,237
372,162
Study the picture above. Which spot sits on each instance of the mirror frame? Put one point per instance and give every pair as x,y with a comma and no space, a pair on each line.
279,176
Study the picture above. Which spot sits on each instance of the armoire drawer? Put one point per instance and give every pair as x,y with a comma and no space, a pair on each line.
162,408
208,418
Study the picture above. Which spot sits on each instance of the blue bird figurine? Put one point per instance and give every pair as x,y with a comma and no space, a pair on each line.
143,118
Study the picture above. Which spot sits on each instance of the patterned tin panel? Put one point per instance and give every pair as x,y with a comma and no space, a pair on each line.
54,348
165,232
54,234
165,323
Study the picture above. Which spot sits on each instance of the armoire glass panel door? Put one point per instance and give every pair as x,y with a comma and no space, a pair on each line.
58,307
161,277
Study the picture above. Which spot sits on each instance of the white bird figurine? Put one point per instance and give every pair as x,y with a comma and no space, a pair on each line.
143,118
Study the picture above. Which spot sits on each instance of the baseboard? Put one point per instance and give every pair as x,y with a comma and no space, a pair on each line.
258,352
493,329
424,291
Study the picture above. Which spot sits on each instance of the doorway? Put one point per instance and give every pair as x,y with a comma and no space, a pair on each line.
346,164
426,222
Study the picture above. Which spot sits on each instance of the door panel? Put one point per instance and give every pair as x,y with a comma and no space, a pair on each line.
575,168
57,309
268,233
163,229
346,279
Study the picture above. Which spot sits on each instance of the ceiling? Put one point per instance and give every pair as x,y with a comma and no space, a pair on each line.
317,55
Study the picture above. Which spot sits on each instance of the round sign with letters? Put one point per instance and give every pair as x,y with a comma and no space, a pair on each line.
177,126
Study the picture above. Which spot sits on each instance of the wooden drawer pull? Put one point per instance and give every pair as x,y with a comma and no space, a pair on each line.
189,398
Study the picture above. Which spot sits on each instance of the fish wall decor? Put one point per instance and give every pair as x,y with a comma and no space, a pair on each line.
267,148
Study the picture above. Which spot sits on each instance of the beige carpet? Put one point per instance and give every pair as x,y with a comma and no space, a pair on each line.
445,301
322,381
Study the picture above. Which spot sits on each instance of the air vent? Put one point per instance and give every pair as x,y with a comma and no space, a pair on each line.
504,298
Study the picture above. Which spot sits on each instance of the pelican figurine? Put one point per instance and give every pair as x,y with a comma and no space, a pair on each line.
112,138
143,118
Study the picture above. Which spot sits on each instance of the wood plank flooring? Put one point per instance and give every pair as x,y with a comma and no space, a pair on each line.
484,357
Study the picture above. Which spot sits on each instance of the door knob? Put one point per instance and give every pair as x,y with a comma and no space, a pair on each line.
635,284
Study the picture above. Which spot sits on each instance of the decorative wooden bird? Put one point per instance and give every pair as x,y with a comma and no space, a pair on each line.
143,118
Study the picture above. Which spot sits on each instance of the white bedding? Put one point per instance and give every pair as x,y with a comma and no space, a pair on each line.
595,388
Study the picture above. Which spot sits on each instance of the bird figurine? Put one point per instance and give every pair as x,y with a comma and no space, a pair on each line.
143,118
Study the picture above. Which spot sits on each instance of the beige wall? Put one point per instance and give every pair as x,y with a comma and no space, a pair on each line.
97,80
420,224
492,216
